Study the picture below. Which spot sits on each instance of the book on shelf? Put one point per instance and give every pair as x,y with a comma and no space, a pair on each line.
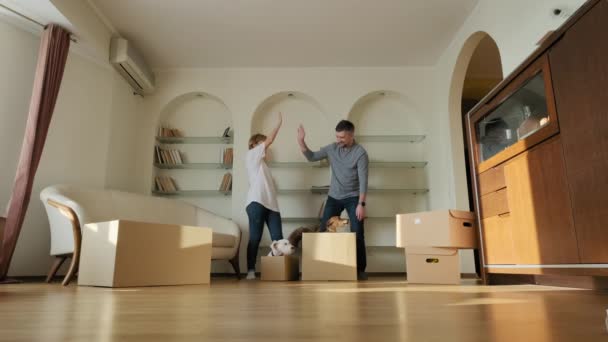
165,184
166,132
167,156
228,156
226,184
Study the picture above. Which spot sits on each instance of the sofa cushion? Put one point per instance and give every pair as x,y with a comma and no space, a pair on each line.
135,207
223,240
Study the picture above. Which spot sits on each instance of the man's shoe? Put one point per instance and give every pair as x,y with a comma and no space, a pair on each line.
361,275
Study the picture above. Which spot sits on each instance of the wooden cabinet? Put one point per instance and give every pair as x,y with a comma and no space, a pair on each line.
579,63
492,180
541,216
498,240
494,203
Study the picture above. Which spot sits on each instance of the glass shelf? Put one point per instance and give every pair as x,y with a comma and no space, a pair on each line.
373,164
195,140
193,166
519,116
390,138
398,191
398,165
298,191
193,193
296,165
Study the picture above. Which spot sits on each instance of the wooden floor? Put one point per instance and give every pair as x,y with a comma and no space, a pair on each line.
382,309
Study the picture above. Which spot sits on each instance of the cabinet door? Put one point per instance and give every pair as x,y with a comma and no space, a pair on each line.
522,116
579,63
541,214
498,240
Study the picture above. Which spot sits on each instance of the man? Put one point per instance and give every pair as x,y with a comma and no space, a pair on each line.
349,165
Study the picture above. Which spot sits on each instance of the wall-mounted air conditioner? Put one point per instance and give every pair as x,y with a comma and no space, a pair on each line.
131,65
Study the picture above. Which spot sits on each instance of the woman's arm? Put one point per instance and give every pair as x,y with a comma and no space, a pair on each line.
275,131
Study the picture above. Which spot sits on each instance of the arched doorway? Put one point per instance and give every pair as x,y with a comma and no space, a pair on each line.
477,71
483,73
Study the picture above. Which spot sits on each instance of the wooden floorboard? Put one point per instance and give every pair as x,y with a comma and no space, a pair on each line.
381,309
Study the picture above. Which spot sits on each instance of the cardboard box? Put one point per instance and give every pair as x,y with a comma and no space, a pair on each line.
329,256
428,265
280,268
127,253
443,228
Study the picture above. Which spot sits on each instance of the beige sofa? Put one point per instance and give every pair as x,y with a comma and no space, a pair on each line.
70,206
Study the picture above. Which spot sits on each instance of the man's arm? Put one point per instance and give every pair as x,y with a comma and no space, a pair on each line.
310,155
362,172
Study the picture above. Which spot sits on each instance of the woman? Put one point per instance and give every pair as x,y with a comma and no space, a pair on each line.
262,203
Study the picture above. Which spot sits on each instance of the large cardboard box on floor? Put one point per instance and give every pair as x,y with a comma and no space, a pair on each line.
329,256
442,228
431,265
125,253
280,268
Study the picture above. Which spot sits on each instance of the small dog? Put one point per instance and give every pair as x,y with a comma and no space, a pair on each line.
333,224
281,247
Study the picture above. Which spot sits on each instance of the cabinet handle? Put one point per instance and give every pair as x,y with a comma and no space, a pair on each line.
504,215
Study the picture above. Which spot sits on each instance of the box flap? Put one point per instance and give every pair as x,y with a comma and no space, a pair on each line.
463,215
431,250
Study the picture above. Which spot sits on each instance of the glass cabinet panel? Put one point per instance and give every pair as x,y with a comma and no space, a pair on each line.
519,116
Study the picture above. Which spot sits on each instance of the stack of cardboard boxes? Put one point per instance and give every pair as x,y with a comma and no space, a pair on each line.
432,240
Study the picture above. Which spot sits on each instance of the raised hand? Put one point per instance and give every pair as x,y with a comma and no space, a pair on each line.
301,133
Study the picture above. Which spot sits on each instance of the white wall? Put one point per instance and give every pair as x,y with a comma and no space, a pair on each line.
81,132
125,116
17,65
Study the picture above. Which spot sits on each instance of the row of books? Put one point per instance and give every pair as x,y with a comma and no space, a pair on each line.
165,184
169,132
226,182
167,156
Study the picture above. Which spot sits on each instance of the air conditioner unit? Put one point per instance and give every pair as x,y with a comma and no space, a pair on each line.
131,65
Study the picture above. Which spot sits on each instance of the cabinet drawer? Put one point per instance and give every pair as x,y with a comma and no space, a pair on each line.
492,180
498,240
494,204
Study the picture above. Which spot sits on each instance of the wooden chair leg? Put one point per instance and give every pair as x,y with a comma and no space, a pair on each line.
72,271
55,267
235,265
70,215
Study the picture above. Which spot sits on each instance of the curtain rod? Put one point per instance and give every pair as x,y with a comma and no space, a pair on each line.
32,20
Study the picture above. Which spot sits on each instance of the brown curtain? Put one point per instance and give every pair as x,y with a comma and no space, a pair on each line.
49,72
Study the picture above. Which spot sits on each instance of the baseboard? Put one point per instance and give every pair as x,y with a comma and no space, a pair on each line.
372,274
580,282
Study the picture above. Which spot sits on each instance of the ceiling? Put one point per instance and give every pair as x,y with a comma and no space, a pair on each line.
42,12
287,33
